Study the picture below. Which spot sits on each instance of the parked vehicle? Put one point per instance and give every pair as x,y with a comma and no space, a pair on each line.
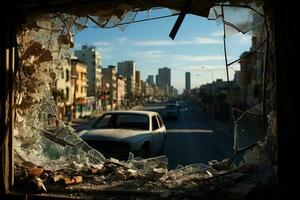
117,133
172,111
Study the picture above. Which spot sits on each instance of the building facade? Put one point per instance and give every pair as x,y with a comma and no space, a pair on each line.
109,87
127,69
79,82
150,80
121,91
61,91
164,80
92,58
164,76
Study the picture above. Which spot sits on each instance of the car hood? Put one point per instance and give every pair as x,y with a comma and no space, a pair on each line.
113,134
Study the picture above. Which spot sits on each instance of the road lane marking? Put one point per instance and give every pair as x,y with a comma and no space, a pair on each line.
189,131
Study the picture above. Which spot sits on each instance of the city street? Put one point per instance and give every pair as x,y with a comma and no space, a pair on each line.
192,138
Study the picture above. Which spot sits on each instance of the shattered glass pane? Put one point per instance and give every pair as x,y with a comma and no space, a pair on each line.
240,18
41,137
242,24
113,21
174,11
249,127
129,17
80,24
150,163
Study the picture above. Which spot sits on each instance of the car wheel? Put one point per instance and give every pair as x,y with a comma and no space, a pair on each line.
161,151
144,152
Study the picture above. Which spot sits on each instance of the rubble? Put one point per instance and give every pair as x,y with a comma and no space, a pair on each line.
72,180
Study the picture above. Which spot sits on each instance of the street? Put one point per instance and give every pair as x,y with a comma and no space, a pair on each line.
192,138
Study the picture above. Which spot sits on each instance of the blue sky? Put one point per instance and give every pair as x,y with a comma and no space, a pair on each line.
198,43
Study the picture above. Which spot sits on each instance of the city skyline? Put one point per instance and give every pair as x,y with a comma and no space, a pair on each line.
198,43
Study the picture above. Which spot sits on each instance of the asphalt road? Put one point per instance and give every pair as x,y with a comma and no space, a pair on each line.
192,138
195,138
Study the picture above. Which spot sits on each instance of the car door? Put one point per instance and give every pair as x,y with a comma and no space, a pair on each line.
158,132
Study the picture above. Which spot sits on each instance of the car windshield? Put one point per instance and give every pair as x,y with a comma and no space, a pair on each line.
123,121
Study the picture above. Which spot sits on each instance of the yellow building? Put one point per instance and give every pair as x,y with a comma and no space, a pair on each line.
79,86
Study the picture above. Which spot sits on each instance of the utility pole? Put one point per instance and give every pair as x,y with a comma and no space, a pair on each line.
75,77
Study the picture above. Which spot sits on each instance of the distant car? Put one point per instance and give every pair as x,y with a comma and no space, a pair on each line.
172,101
117,133
172,111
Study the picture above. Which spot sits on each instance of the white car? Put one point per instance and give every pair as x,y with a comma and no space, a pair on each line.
117,133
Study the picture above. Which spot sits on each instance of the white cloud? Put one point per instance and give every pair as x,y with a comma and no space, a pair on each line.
102,43
194,41
105,49
217,33
122,40
201,40
244,39
188,58
154,43
217,67
149,55
106,52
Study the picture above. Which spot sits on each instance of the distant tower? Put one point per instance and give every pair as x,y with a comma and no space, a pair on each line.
187,81
164,80
150,80
164,77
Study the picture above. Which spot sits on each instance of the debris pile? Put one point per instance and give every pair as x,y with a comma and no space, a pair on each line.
144,176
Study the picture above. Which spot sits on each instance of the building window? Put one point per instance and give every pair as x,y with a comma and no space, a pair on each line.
81,89
68,93
62,74
67,75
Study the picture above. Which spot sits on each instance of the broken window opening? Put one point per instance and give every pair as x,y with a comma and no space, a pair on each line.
64,146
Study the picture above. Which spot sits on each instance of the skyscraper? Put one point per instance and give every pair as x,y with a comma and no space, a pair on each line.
163,80
187,81
164,76
150,80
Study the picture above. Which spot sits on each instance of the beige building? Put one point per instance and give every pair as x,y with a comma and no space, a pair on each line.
127,70
121,91
109,87
61,90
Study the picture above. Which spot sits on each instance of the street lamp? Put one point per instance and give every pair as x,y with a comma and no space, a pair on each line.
74,77
211,72
201,75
